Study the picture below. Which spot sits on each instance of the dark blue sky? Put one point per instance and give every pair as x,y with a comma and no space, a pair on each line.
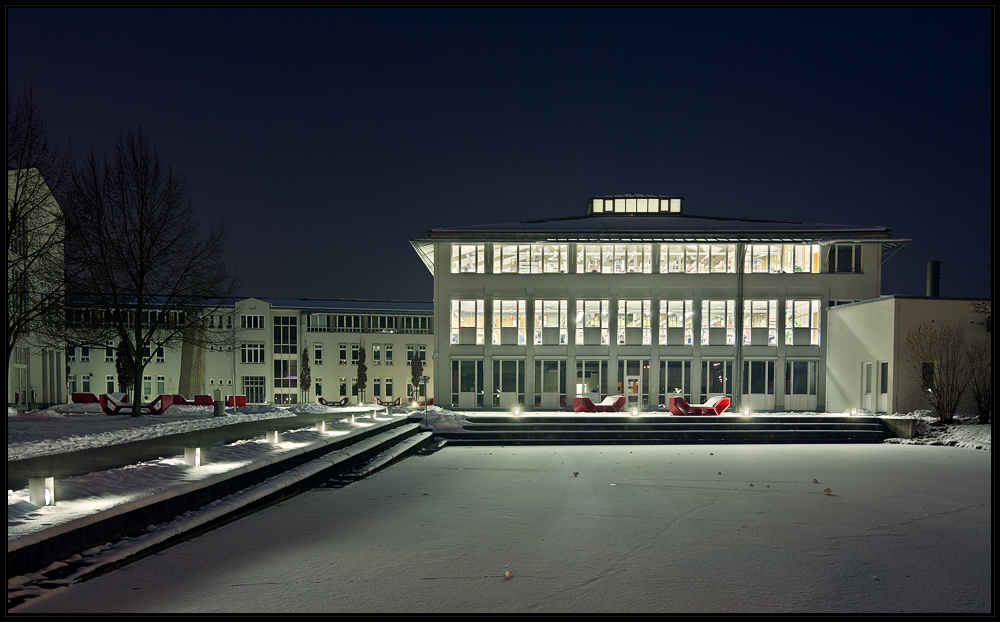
327,139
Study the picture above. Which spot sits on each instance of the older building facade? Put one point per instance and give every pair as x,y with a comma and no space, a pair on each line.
637,298
259,353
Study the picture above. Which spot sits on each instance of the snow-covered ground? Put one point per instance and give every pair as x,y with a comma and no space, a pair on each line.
74,427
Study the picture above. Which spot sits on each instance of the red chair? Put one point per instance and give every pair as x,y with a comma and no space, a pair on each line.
583,405
84,398
713,407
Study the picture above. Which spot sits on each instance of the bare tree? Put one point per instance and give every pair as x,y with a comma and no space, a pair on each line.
36,172
980,356
146,273
938,361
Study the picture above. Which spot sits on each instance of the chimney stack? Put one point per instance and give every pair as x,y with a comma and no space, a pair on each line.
933,278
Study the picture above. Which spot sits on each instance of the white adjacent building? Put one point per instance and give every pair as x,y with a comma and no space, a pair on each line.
636,297
868,368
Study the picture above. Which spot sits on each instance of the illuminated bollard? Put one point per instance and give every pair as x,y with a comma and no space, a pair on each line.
192,456
272,437
42,491
320,426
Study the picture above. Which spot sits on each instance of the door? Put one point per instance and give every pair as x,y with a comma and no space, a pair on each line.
758,385
866,386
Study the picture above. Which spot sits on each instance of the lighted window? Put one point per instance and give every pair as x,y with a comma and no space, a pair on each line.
781,258
697,258
510,322
467,322
592,324
634,322
550,322
676,322
760,322
468,258
718,322
802,322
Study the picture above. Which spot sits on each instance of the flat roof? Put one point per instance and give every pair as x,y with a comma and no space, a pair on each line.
336,304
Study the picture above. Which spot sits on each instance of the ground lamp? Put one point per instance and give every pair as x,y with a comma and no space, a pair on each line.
42,491
192,456
272,437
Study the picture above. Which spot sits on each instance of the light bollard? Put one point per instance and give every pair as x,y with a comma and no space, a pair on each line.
321,426
192,456
42,491
272,436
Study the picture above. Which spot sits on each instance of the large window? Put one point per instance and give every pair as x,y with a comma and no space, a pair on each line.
550,322
614,258
592,324
345,323
468,258
510,320
252,353
634,322
252,321
675,380
530,258
592,379
760,322
412,324
802,322
781,258
286,334
467,322
718,322
716,379
676,322
845,258
697,258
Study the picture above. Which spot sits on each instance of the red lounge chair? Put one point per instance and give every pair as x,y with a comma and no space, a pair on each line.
583,405
239,400
163,402
84,398
611,404
713,407
113,405
342,402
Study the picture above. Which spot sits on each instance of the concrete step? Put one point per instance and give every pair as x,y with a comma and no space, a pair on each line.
620,429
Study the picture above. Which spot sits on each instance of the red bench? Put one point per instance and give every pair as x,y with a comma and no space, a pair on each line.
84,398
236,401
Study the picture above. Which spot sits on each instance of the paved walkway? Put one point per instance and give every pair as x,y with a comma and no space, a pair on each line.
715,529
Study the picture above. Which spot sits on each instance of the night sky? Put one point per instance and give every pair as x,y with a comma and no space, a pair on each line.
326,139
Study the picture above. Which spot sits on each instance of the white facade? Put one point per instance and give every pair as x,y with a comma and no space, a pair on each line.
637,298
263,357
36,372
866,358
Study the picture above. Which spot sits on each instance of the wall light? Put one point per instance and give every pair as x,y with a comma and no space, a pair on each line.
42,491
